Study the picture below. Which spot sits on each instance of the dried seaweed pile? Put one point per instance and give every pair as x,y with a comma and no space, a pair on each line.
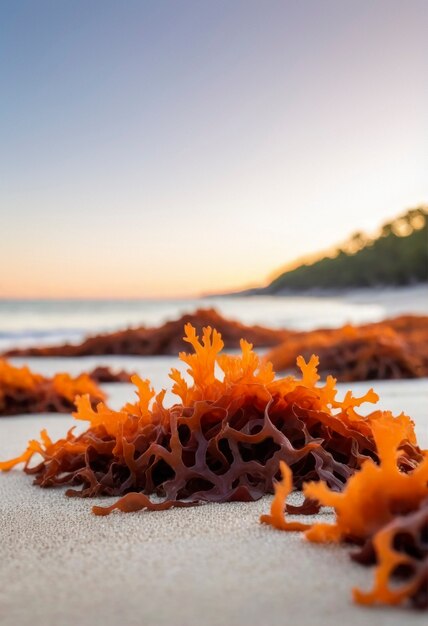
382,509
165,339
393,349
23,391
223,441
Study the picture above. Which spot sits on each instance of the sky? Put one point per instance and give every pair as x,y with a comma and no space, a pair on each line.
172,148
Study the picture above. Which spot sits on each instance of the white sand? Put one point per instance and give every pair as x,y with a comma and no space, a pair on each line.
210,566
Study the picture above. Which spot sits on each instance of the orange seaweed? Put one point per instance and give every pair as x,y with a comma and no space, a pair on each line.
23,391
401,552
222,441
104,374
375,494
377,503
392,349
165,339
282,490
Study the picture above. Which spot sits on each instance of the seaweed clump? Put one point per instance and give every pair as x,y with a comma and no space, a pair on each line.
104,374
164,339
222,441
23,391
382,509
393,349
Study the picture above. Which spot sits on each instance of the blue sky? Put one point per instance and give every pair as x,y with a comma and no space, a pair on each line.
172,148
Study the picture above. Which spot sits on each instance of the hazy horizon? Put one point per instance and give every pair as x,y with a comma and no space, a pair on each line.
315,255
178,149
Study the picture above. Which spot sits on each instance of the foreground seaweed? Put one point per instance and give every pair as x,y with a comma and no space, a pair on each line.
383,509
23,391
222,442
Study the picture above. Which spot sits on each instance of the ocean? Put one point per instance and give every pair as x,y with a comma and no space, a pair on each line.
46,322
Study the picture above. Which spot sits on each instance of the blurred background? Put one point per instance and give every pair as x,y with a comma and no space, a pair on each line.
266,159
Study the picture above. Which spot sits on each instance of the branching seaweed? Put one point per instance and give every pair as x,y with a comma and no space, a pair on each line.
393,349
383,508
225,439
400,550
222,442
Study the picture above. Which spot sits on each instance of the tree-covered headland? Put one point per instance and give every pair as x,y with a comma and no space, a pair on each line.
397,256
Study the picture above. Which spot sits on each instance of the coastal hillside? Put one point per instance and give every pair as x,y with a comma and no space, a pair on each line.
397,256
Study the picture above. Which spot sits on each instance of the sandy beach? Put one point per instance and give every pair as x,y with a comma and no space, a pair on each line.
207,566
212,565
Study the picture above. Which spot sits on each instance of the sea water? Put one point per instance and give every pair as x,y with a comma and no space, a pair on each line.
46,322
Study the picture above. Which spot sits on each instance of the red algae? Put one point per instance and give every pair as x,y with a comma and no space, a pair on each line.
382,508
165,339
222,441
104,374
393,349
233,431
400,550
23,391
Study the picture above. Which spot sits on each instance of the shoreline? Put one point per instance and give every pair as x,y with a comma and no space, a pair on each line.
38,323
415,296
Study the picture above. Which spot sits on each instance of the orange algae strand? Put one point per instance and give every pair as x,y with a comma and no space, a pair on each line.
381,507
68,387
134,502
282,489
375,494
401,552
23,391
222,441
104,374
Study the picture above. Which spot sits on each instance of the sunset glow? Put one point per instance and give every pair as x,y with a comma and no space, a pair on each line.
183,148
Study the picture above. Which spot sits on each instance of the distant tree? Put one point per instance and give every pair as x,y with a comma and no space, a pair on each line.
387,229
357,241
398,256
